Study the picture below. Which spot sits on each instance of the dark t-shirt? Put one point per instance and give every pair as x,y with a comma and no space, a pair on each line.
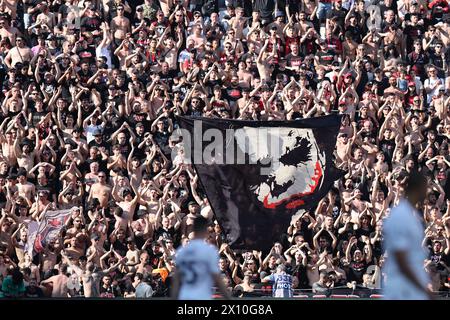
233,93
90,23
326,57
388,147
356,271
293,61
166,234
339,14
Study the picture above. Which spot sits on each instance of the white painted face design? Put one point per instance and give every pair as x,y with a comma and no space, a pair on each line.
292,165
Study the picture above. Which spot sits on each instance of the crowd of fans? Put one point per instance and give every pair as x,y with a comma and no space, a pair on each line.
89,94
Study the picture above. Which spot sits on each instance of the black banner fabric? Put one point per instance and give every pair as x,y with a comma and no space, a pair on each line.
258,174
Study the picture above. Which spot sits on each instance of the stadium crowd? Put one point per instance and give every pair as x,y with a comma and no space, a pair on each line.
89,94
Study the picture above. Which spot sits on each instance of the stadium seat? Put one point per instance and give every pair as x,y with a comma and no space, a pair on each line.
376,296
319,296
301,296
339,296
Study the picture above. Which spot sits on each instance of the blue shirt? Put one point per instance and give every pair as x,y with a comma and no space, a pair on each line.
282,285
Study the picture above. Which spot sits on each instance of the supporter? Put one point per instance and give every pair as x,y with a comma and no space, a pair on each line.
89,94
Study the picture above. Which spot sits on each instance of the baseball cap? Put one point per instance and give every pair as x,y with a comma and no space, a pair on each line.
97,132
279,14
11,176
21,172
139,124
192,203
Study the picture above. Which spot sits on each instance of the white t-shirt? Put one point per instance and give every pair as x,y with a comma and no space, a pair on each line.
430,82
403,231
196,263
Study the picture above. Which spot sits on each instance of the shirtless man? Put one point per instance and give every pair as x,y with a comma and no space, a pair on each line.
20,53
10,7
6,31
26,189
120,26
392,89
303,25
144,266
197,36
75,250
59,282
25,156
46,17
349,47
127,205
91,277
101,190
238,23
149,198
41,204
343,148
92,176
245,76
242,102
95,251
262,62
415,130
50,255
356,205
7,143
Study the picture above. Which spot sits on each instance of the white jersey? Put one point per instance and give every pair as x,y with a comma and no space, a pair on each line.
196,263
403,231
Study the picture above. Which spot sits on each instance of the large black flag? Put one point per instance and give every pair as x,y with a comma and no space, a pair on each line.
258,174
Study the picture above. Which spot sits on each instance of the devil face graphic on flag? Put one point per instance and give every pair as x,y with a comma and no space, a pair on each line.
261,173
294,170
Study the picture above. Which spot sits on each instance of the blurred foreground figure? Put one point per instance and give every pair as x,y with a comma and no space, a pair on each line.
197,267
406,278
